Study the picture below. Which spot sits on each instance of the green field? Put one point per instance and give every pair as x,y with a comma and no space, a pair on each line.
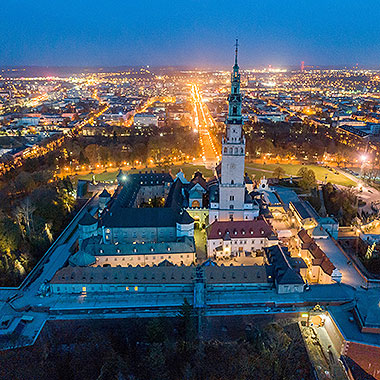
260,170
188,170
253,169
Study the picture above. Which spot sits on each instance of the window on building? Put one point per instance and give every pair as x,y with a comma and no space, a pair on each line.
195,204
232,181
231,207
232,198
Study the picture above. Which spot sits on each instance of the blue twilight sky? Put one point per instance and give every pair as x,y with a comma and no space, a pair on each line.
192,32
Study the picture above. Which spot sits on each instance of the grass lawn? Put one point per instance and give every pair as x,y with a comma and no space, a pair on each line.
290,169
188,170
253,169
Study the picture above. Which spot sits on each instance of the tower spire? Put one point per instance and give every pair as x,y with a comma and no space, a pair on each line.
236,51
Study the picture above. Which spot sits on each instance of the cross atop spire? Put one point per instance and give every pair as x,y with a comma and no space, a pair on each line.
236,51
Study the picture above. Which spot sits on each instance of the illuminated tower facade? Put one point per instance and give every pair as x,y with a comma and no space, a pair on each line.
233,204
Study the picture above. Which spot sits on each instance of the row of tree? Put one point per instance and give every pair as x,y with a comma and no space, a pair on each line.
104,150
34,208
160,349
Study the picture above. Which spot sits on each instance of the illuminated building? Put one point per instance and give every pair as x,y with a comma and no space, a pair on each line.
230,200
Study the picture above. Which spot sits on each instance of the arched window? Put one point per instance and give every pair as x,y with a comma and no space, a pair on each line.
234,110
225,150
241,150
232,182
236,150
231,150
195,204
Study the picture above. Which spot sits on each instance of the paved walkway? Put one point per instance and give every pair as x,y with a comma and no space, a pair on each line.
349,274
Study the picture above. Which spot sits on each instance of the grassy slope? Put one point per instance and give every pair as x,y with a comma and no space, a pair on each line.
290,169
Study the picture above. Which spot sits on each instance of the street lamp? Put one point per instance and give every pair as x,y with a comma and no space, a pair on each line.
363,159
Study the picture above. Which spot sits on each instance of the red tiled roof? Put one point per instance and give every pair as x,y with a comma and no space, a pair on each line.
305,237
240,229
320,257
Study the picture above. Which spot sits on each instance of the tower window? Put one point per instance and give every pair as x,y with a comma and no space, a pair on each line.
234,110
232,198
231,207
225,150
232,182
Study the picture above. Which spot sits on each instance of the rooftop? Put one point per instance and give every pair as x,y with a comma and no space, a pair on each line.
256,228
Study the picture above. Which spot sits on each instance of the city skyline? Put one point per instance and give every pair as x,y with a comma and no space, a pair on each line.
189,33
182,182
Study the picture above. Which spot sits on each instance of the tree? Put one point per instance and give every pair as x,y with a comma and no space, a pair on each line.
9,235
24,217
186,325
83,160
24,182
308,180
278,172
91,152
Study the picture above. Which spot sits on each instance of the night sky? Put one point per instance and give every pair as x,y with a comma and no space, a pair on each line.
193,33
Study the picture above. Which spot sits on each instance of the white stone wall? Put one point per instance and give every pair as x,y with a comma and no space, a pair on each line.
128,288
142,260
239,244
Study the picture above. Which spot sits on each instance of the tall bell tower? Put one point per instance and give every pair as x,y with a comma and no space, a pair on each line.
232,187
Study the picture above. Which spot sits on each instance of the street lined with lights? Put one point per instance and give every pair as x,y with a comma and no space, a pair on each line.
203,121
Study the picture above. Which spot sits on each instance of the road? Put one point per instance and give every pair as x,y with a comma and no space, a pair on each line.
203,122
144,106
349,274
368,193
